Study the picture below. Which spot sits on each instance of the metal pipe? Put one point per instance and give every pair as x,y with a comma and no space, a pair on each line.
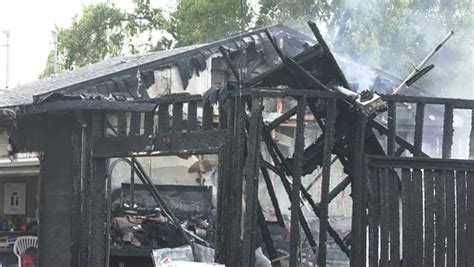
7,45
423,62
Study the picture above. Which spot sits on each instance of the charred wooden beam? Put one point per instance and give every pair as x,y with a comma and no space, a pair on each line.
251,173
99,105
447,131
177,117
276,122
454,102
98,246
327,52
273,196
359,192
163,118
267,239
192,121
296,183
272,150
135,120
419,123
205,142
325,183
392,126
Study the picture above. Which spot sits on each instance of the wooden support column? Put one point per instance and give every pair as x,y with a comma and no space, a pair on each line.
98,244
326,176
295,192
55,198
251,173
359,191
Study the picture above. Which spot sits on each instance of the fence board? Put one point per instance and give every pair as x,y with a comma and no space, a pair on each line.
461,217
417,217
440,219
374,214
406,217
450,219
429,218
384,217
394,220
470,219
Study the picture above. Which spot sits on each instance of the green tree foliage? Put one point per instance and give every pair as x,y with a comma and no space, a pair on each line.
201,21
392,35
101,31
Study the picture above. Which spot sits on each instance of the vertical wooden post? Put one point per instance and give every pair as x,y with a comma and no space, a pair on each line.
297,172
326,176
55,198
359,189
251,174
447,131
98,244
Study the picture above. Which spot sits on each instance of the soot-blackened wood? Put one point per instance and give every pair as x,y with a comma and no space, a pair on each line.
394,219
55,200
276,122
407,218
440,218
283,168
384,217
98,250
374,214
149,123
392,126
166,143
163,118
471,137
122,124
419,122
273,151
450,219
417,216
177,118
86,201
359,192
470,219
222,116
267,238
76,194
135,120
461,237
207,116
235,205
429,218
273,196
295,193
251,173
447,131
192,121
326,175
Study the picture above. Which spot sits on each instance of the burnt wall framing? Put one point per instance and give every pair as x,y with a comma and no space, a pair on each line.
185,124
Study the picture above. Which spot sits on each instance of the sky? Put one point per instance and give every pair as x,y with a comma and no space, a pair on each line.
30,23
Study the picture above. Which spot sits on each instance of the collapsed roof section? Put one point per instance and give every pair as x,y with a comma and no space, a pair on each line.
130,77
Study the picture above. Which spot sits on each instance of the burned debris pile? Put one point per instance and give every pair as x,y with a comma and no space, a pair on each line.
154,230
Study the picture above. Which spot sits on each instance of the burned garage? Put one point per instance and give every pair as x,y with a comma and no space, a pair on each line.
254,150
